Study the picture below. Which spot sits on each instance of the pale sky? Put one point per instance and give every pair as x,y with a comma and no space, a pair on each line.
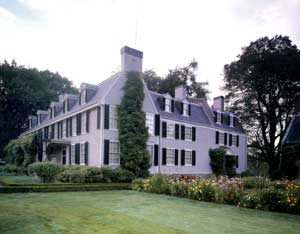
81,39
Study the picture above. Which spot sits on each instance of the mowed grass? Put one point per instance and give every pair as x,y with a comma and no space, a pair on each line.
132,212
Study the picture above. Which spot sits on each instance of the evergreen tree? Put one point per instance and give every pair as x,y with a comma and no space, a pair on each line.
133,133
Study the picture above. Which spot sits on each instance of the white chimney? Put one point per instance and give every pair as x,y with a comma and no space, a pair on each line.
131,59
180,92
219,103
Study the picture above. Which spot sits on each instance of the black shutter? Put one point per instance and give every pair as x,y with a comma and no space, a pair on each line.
182,132
215,116
157,125
236,161
217,137
193,133
86,153
193,157
77,154
222,118
106,117
79,98
52,131
172,105
162,102
237,141
87,123
181,108
164,156
98,117
67,127
234,121
176,157
106,152
164,129
190,110
230,139
78,124
228,120
155,155
182,157
225,138
71,130
70,154
58,126
176,131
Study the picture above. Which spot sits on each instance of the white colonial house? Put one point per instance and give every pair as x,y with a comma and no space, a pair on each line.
82,129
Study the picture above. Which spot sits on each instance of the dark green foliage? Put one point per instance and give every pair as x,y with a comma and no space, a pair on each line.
176,77
261,89
21,151
22,92
85,174
159,184
46,171
230,165
11,169
217,160
133,133
273,199
65,188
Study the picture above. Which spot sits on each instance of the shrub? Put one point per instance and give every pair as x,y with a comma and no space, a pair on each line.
122,175
255,182
9,169
230,165
159,184
273,199
232,194
251,200
293,198
46,171
179,188
202,190
217,160
138,184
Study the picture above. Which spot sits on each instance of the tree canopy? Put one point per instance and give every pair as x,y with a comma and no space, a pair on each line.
22,92
261,88
179,76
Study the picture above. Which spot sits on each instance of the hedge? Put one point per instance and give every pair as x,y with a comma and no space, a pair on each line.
64,187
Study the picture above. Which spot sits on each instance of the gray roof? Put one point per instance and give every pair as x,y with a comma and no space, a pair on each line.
292,135
198,115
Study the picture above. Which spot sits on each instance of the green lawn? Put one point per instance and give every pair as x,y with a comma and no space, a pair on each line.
19,179
132,212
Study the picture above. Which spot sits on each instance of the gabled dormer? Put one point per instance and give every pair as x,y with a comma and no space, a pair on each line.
55,109
87,91
41,116
166,103
67,101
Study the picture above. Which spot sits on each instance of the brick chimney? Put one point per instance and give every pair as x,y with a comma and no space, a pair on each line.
131,59
180,92
219,103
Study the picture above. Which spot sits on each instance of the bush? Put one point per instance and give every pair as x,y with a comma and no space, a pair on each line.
138,185
46,171
179,189
232,194
273,199
251,200
159,184
9,169
255,182
230,165
217,160
202,190
85,174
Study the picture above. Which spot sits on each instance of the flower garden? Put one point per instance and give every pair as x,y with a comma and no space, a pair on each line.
248,192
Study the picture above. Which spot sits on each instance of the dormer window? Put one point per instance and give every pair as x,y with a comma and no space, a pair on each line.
231,121
168,105
219,117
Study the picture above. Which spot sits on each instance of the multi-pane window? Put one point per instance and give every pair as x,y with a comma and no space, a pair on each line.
168,105
221,138
114,153
170,130
112,117
185,109
188,158
219,117
150,123
188,133
170,157
150,149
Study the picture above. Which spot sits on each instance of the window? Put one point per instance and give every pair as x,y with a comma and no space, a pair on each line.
168,105
231,121
221,138
150,149
188,133
234,140
78,124
112,117
114,153
170,157
185,109
150,123
170,130
188,158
